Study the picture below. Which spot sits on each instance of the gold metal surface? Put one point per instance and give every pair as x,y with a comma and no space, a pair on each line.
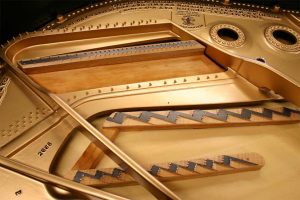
20,109
72,41
17,186
143,177
279,145
236,43
269,34
244,16
48,119
48,178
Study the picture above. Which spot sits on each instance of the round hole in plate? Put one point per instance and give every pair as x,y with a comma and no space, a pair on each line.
284,37
228,34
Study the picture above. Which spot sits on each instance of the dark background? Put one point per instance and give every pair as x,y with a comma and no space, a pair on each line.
18,16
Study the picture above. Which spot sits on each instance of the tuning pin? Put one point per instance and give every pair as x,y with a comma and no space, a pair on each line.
60,19
276,9
226,2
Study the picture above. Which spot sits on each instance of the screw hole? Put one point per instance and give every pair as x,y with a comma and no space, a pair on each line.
261,60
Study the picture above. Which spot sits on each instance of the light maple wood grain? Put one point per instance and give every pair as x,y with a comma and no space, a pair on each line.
134,72
93,154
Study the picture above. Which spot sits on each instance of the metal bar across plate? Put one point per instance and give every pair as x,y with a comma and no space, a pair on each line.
143,177
57,181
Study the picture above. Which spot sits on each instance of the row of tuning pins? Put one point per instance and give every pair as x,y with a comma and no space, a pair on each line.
60,19
109,25
117,24
91,27
20,36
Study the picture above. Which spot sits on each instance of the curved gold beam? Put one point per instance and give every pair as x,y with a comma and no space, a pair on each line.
159,190
44,177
